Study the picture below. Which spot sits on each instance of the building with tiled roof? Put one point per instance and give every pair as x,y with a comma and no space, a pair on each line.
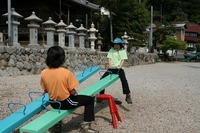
191,33
180,31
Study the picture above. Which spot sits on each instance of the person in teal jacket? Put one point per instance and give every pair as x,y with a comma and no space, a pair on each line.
116,57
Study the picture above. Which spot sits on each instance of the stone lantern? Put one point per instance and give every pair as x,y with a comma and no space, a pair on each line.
14,27
61,33
50,30
81,33
71,33
125,40
92,37
33,28
99,42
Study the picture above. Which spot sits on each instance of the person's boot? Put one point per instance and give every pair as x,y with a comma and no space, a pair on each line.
128,99
86,128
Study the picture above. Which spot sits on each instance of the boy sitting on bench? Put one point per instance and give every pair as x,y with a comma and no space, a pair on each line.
60,85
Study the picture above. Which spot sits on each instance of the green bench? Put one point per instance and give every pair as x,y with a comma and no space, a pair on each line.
53,116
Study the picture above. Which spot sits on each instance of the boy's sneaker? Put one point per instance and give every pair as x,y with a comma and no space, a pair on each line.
128,99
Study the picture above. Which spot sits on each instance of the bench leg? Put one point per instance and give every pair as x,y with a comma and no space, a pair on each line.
113,108
116,112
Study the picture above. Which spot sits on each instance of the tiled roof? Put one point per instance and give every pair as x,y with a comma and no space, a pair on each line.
87,4
180,26
191,27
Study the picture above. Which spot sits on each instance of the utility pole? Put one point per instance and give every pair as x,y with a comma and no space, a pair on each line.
9,23
111,23
161,10
111,27
60,10
151,32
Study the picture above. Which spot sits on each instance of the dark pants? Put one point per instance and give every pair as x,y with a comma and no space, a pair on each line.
121,73
77,101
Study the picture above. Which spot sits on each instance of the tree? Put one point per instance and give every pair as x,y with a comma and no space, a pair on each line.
175,10
130,16
198,45
171,43
109,5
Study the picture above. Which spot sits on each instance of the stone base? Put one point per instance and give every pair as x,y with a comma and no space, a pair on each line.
46,47
71,49
1,44
34,46
16,44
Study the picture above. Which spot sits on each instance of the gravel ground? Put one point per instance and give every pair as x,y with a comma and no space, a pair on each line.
165,100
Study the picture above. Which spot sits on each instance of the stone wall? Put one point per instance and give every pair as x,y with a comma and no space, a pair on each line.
23,61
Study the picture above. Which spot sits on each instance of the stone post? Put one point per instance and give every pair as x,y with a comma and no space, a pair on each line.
1,39
81,33
99,42
14,27
125,40
33,28
61,33
71,34
92,37
50,30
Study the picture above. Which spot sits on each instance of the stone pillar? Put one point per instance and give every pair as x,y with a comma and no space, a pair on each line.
1,39
50,30
92,37
125,40
99,42
81,33
61,33
14,27
33,28
71,34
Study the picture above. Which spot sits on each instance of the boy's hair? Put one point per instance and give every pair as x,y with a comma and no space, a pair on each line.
55,57
121,45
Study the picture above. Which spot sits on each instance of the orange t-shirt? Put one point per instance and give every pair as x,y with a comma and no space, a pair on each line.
58,82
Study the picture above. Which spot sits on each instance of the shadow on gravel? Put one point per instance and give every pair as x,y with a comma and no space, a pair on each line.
75,121
194,67
124,108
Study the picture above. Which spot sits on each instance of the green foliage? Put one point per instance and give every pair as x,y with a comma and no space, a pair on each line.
133,18
163,30
139,40
171,43
130,16
175,10
198,47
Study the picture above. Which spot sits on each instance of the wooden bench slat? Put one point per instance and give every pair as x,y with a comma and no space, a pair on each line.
50,118
16,119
